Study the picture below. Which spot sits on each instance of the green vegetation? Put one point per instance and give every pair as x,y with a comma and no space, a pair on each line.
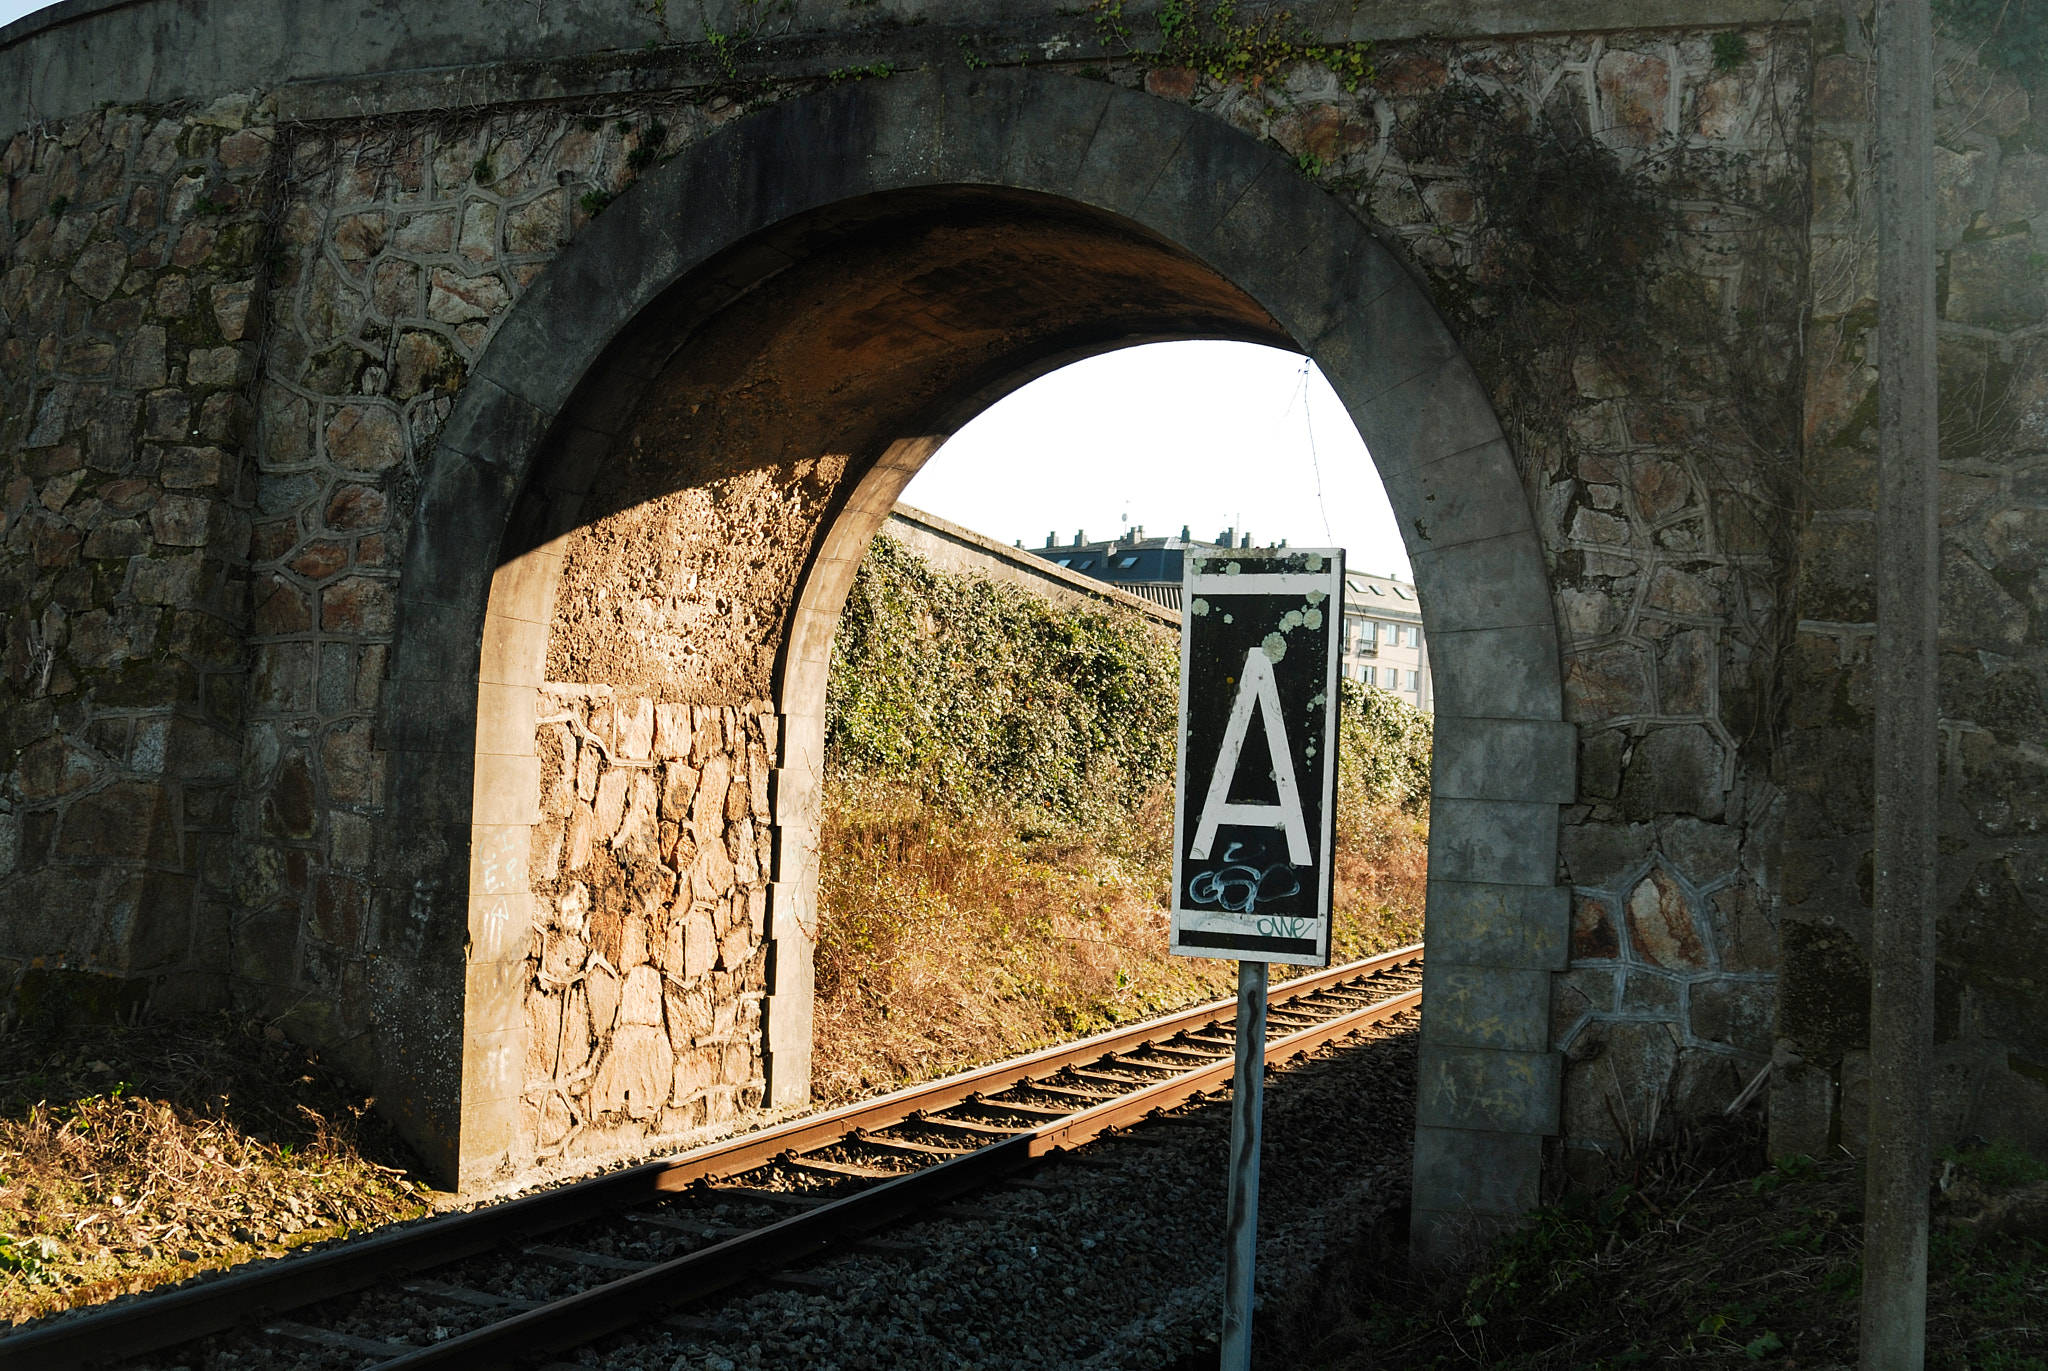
1731,50
998,816
1212,39
977,693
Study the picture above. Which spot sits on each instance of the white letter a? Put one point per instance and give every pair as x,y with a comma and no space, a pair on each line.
1255,687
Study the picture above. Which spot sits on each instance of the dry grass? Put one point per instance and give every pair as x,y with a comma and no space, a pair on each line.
951,940
210,1144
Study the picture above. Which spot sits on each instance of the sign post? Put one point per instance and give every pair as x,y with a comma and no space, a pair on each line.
1260,645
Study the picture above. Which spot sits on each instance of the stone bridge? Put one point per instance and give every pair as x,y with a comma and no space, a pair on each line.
439,439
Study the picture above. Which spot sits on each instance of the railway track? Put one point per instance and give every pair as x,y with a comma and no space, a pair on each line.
519,1283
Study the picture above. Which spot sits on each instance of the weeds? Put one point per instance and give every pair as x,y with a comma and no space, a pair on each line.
212,1144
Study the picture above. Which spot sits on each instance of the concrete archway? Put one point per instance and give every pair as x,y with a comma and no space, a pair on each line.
1106,217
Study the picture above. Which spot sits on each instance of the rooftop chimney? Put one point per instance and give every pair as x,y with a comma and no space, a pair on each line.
1184,535
1052,540
1080,536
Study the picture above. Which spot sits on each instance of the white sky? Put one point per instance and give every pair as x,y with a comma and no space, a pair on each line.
1211,435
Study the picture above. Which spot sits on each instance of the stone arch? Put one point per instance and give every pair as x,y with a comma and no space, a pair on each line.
1260,253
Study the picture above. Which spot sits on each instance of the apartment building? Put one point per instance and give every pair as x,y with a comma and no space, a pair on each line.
1383,641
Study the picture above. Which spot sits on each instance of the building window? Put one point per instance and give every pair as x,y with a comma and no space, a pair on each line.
1066,561
1408,638
1411,681
1366,674
1128,562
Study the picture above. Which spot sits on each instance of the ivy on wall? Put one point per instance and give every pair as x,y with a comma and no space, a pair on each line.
978,693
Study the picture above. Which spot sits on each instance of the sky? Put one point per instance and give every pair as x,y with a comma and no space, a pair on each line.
11,10
1207,434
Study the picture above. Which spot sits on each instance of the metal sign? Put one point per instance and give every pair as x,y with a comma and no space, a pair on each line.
1261,637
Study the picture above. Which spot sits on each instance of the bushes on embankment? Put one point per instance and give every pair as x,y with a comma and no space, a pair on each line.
998,821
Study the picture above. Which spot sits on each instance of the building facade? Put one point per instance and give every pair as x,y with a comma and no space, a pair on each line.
1383,641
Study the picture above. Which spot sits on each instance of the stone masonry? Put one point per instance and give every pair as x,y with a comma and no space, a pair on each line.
242,325
643,1006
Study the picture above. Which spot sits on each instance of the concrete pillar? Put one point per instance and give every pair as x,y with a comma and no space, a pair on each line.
1894,1329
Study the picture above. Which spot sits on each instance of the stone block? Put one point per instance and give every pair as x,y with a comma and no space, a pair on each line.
1662,925
1503,759
1995,282
136,820
1493,583
1633,90
1738,1014
1596,935
506,789
1442,1239
1422,403
1474,1172
2020,194
1497,673
180,520
1646,994
358,605
1576,995
1478,924
1618,1073
355,508
1480,1088
1605,683
1485,1006
165,580
365,437
1675,771
1498,842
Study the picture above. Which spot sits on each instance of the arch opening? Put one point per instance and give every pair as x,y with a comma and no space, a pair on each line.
688,549
662,475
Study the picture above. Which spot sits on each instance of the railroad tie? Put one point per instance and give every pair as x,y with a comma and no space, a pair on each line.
694,1227
789,1199
915,1151
344,1342
576,1256
1083,1098
462,1294
836,1170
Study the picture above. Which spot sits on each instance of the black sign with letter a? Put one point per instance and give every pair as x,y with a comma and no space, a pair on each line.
1261,633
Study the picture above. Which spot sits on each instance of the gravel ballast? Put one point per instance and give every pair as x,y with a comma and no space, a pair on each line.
1109,1257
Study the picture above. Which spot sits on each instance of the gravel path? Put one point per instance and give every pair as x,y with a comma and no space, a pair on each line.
1110,1258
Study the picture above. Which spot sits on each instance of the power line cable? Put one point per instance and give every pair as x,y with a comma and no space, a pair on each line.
1314,462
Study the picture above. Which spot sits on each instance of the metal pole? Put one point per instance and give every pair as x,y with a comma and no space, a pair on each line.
1241,1213
1894,1330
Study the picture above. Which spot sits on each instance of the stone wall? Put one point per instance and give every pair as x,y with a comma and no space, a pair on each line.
130,309
1991,178
647,964
231,332
1657,454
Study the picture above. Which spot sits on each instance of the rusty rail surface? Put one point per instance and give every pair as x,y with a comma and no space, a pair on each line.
258,1296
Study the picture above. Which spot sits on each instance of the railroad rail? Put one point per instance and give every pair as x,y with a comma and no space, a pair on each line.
845,1173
